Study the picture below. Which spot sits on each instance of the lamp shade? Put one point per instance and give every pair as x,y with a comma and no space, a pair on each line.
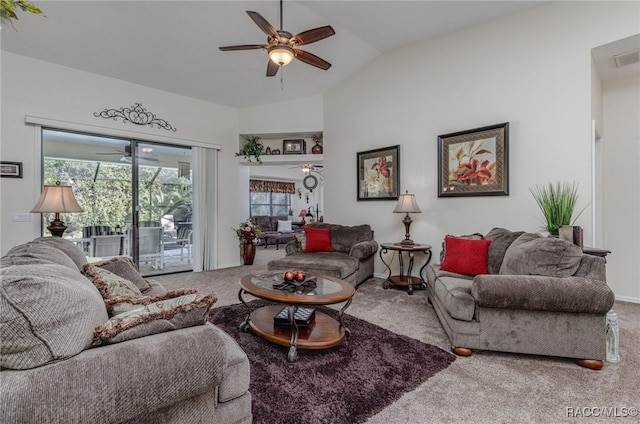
281,55
57,198
407,204
303,213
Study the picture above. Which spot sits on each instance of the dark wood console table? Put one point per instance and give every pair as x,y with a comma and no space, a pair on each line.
403,280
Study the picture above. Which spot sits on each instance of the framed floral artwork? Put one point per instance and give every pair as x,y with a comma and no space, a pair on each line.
474,162
379,174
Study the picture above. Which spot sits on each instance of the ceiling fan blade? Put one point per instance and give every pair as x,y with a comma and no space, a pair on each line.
265,26
313,35
272,69
243,47
312,59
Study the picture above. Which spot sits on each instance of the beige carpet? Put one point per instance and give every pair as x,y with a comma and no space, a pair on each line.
488,387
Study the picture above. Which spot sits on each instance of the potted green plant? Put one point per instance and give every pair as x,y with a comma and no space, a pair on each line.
252,147
557,203
8,10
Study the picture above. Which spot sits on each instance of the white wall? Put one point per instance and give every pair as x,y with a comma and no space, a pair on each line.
621,145
32,87
301,115
532,69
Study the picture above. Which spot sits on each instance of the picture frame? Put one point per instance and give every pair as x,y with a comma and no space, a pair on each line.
10,169
474,162
379,174
294,147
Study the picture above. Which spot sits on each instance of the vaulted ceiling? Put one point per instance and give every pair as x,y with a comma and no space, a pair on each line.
173,45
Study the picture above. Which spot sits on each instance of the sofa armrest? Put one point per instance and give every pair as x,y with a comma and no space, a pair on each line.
363,249
535,292
117,382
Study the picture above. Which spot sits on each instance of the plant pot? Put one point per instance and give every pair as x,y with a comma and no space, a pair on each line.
248,253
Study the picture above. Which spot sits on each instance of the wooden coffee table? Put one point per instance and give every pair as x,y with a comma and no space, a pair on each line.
323,333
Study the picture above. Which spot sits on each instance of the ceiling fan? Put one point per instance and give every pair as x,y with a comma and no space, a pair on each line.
126,155
282,46
306,168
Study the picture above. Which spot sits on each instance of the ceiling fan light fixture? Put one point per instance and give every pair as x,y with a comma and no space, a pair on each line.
281,55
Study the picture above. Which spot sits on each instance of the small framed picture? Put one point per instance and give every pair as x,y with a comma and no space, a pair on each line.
474,162
11,169
294,147
379,174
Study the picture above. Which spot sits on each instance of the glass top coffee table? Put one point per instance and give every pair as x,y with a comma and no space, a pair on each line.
298,324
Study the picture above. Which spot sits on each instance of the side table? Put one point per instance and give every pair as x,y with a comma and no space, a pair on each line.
403,280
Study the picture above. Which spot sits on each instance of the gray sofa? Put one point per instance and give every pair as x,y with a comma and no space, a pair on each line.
50,373
542,296
269,234
351,260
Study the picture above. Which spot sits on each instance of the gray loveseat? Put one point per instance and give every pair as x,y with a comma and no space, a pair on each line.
542,296
351,260
50,373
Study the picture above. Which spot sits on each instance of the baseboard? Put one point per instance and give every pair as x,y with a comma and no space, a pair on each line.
628,299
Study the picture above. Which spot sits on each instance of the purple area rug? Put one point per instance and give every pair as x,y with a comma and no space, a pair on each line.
345,384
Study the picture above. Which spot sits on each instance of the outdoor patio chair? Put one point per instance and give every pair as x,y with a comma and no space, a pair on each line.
151,246
183,240
92,230
106,246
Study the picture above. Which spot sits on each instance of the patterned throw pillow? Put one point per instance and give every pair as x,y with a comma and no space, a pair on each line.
119,304
124,267
301,238
109,284
158,317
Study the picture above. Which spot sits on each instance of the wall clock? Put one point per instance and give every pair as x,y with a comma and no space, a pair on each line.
310,182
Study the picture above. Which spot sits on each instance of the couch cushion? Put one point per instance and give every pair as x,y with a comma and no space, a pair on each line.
465,256
454,292
532,254
124,267
318,240
49,313
343,236
69,248
158,317
334,264
43,252
501,239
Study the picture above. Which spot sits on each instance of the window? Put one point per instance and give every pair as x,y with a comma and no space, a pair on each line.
266,203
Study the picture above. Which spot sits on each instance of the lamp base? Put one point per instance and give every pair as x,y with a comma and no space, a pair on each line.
406,242
56,228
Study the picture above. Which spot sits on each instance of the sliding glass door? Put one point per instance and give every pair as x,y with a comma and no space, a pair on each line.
124,186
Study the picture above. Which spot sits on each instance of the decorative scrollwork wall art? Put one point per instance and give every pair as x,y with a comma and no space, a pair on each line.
136,115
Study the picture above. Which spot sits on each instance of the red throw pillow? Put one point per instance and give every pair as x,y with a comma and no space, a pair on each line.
318,240
464,256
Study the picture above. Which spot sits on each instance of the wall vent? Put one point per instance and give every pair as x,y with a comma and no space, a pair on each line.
628,58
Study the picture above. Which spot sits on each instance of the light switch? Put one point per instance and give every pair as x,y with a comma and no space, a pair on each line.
21,217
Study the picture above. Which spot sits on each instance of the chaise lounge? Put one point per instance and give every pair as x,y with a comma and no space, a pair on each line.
350,255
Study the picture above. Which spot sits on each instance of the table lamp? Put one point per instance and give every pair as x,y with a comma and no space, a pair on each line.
302,214
56,199
407,204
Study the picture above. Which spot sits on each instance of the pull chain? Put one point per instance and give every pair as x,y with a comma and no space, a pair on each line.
281,78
